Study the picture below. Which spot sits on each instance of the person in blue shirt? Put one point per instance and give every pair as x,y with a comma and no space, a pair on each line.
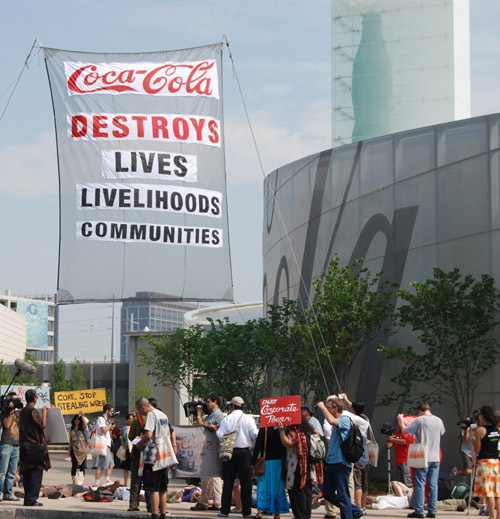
337,469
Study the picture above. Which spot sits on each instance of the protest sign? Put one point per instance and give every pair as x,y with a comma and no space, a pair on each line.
197,452
42,392
285,409
87,400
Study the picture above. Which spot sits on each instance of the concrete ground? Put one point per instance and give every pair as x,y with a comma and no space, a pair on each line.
71,508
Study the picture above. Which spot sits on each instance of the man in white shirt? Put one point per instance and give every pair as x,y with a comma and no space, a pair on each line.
240,462
428,429
103,428
155,476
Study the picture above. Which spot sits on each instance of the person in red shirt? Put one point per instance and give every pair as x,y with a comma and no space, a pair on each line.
400,442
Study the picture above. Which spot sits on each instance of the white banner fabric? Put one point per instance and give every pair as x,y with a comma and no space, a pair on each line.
143,208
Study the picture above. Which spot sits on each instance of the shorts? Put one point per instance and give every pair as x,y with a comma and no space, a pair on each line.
360,476
155,481
104,462
487,482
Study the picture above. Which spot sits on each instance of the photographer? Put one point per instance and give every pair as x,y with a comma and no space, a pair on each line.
9,445
466,444
400,442
104,427
210,486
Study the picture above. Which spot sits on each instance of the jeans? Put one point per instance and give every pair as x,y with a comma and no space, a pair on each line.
336,489
431,473
32,485
9,455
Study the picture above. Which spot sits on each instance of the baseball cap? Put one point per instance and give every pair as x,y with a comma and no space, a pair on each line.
237,400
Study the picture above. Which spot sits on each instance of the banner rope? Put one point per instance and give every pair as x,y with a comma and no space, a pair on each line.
287,237
16,81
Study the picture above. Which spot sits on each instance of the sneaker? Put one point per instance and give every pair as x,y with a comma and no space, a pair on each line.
430,514
484,511
10,498
363,511
415,514
220,514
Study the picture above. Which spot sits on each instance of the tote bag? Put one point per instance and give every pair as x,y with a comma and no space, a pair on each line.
226,446
97,446
373,449
418,454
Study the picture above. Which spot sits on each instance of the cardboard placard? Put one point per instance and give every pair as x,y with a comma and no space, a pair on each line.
285,409
88,400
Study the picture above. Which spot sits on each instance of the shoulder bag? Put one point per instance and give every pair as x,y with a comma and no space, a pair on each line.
418,454
98,445
226,446
157,452
260,463
372,448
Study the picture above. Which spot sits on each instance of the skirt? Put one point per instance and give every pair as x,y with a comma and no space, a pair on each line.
487,482
271,496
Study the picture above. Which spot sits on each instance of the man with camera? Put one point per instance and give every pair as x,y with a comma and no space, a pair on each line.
9,445
210,486
104,427
400,442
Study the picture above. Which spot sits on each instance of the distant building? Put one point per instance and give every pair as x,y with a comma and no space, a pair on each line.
398,66
39,313
12,335
154,316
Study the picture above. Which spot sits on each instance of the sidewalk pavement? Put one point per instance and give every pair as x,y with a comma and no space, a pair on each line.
71,508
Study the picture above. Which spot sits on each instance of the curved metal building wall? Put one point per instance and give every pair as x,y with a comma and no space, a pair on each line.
406,202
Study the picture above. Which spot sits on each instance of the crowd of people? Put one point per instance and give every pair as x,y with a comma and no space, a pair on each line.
291,469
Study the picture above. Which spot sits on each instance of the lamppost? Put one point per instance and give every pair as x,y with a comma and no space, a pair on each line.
91,326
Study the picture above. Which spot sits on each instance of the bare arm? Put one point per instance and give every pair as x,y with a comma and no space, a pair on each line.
328,416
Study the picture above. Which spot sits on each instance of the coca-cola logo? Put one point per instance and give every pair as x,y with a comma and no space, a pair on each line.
165,79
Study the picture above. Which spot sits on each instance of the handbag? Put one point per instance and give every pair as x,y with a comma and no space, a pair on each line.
121,453
373,449
226,446
97,446
260,463
33,453
418,455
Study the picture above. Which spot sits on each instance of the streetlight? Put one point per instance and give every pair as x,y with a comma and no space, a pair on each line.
91,326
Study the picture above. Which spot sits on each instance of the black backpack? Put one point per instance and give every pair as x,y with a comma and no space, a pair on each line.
353,446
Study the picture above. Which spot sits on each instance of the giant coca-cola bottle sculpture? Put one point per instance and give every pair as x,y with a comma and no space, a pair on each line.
371,82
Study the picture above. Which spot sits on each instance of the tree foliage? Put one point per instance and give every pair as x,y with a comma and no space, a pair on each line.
454,317
141,390
5,375
27,379
78,380
59,381
350,308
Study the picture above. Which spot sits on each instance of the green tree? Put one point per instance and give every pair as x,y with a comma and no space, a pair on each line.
59,381
174,360
78,380
26,379
5,375
350,309
454,317
142,389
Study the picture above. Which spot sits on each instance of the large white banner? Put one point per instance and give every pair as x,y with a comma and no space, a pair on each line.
142,175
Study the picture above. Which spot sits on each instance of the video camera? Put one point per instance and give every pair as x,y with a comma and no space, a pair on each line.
467,422
387,429
191,408
5,402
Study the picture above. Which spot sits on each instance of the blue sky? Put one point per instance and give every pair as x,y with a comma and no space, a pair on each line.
281,51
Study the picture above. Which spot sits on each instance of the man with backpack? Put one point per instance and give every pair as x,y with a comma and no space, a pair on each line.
344,444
